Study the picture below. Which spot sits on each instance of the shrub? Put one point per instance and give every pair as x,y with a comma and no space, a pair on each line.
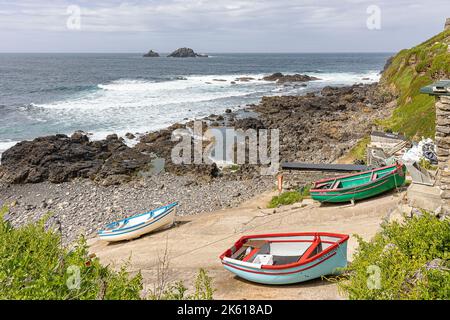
402,253
34,265
305,190
285,198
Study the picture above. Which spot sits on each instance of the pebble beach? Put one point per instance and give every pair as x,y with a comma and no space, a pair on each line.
83,207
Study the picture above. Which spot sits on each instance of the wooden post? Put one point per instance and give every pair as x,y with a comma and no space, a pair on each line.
280,183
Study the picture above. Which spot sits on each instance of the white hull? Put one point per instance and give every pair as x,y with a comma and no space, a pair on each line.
151,225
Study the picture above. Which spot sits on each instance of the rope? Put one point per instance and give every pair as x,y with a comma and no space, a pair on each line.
244,230
232,235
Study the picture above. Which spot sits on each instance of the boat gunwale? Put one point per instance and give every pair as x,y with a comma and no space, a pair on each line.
167,209
342,239
385,177
358,173
137,227
279,273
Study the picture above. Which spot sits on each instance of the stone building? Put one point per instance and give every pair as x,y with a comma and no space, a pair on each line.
441,91
447,24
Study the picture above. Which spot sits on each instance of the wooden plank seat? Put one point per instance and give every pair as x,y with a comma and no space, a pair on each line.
254,244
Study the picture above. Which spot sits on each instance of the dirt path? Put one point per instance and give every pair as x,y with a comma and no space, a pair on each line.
197,241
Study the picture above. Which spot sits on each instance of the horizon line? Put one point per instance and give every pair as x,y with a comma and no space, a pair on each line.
162,52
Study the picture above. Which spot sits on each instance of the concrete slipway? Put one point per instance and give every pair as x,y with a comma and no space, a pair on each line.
197,241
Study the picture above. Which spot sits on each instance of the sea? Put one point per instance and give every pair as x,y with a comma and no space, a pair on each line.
44,94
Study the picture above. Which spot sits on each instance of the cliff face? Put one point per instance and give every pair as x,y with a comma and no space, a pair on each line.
405,74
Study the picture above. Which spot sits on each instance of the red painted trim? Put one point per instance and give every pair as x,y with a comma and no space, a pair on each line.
251,254
357,174
343,238
310,250
353,190
277,241
279,273
361,185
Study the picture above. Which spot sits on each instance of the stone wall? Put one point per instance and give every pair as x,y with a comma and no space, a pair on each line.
443,150
292,179
447,24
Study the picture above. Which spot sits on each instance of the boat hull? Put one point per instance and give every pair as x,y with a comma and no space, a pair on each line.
367,190
164,220
286,258
328,264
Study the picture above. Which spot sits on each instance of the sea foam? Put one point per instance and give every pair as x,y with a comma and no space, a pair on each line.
139,105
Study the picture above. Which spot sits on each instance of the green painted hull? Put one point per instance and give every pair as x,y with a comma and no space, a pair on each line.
359,186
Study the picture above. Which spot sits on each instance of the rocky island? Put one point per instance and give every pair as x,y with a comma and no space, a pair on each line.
186,53
151,54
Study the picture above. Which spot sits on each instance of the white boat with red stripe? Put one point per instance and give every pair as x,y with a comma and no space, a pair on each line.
286,258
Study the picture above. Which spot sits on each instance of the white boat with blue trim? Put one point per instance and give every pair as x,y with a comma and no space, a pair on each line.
286,258
138,225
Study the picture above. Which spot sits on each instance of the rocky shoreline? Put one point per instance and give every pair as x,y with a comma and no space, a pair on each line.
89,183
82,206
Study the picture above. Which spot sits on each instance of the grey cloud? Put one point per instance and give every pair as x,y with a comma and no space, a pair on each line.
248,25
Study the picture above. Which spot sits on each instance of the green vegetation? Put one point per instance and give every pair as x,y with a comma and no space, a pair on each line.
304,191
402,261
178,291
34,265
289,197
409,71
359,151
424,163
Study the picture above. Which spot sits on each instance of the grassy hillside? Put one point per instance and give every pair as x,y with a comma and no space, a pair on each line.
408,71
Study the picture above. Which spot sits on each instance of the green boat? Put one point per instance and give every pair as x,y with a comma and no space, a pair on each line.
360,185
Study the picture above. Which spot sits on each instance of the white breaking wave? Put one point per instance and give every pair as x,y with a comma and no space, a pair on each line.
130,105
5,145
138,93
347,78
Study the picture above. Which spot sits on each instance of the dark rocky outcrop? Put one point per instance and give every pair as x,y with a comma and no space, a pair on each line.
387,64
320,127
151,54
161,144
60,158
244,79
186,53
281,78
316,127
249,123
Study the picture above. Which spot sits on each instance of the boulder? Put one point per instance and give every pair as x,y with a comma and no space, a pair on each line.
59,158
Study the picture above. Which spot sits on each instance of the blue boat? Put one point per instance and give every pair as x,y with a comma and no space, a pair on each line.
286,258
138,225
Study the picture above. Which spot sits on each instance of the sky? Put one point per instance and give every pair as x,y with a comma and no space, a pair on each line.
210,26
